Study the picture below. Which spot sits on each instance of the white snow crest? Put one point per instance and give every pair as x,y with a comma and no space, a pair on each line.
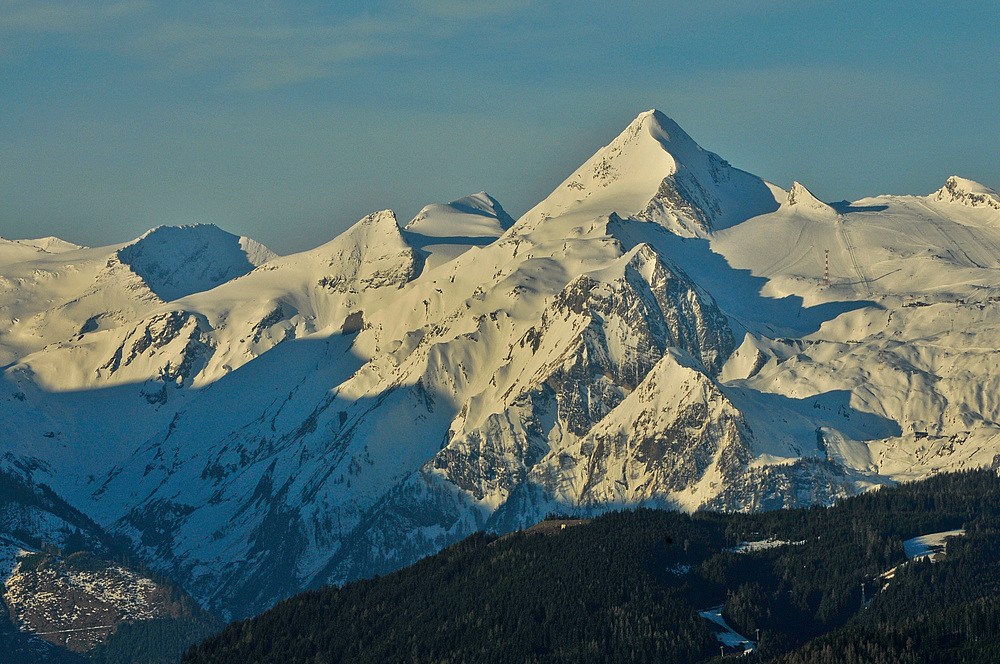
967,192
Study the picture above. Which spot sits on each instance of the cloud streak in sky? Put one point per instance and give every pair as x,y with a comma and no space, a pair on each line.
255,55
28,17
249,48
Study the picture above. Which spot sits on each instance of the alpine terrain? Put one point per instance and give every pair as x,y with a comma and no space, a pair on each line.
662,330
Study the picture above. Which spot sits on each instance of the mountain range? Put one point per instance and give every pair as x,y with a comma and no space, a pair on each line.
662,330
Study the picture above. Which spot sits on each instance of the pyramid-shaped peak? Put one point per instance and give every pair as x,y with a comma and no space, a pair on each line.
663,127
376,231
380,221
967,192
798,195
373,253
655,125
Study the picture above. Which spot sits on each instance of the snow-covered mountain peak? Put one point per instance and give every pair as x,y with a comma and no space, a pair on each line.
13,251
444,232
484,203
799,196
621,177
967,192
656,171
378,231
671,137
372,253
176,261
50,244
475,216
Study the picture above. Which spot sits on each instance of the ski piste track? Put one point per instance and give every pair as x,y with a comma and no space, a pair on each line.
947,231
846,237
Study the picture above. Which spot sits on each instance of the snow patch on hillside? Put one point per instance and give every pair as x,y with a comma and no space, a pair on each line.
928,545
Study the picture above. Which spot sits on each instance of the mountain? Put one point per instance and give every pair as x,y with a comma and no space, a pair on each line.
663,330
68,589
653,170
178,261
15,251
966,192
663,586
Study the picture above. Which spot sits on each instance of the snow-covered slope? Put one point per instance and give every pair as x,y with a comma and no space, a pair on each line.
663,329
54,294
15,251
443,232
179,261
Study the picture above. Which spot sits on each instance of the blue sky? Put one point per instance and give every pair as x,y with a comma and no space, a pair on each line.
289,121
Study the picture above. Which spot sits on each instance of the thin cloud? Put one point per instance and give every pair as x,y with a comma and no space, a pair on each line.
469,9
27,16
259,55
255,48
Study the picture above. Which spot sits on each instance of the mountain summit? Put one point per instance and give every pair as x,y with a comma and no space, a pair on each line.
968,192
176,261
654,169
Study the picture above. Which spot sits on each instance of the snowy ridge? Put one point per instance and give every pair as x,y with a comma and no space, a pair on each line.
444,232
655,170
662,329
15,251
799,195
178,261
476,216
966,192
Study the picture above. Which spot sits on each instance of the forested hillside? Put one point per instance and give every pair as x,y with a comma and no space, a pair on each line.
628,587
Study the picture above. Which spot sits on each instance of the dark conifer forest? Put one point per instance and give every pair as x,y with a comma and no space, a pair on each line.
627,587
